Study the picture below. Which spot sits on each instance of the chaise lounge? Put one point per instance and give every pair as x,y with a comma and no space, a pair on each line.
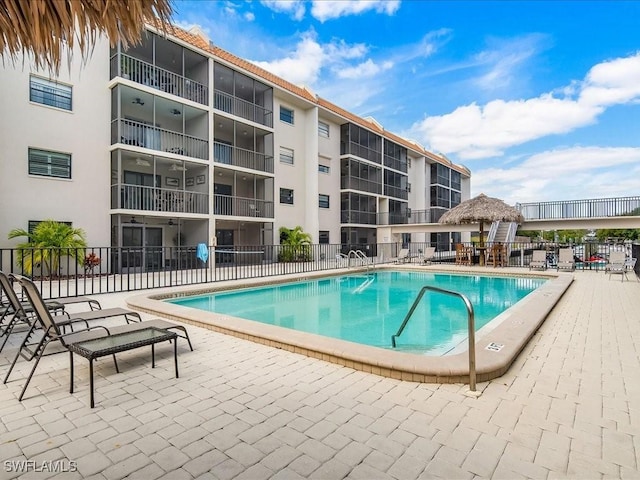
34,346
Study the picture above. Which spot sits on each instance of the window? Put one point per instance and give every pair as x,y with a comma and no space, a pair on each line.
286,155
34,223
323,129
323,201
286,115
323,168
49,93
286,196
323,236
49,164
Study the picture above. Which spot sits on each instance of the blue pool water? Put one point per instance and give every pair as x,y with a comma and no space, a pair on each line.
368,309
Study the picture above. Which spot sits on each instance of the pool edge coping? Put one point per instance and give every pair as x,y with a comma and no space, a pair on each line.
507,339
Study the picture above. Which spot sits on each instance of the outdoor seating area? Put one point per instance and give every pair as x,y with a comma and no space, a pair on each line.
44,328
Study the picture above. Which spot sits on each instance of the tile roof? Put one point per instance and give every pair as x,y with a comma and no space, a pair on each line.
200,42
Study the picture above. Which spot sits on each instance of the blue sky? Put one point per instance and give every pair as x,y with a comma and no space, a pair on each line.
540,99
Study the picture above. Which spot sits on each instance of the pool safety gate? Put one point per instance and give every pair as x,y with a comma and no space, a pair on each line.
471,325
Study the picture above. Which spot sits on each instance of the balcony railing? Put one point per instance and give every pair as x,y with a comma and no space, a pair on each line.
352,148
230,155
145,73
243,207
396,192
138,197
358,217
241,108
361,184
593,208
396,163
148,136
431,215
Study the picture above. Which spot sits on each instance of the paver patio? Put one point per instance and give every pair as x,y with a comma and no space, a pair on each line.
568,408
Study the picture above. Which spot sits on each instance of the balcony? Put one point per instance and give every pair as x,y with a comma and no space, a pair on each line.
361,184
431,215
242,207
358,217
143,135
396,192
138,197
239,157
243,109
153,76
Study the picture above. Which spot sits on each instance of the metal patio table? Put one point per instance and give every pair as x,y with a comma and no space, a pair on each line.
120,342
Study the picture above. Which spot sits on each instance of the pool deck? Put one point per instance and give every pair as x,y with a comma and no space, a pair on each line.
568,407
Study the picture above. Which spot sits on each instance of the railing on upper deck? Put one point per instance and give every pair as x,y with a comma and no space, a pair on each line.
591,208
241,108
145,73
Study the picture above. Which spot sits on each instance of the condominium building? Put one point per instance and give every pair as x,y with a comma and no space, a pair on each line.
177,142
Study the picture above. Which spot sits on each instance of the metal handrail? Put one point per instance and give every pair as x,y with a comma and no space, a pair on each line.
471,326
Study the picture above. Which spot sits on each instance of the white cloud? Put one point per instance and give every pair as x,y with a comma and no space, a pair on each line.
302,66
571,173
324,10
249,17
365,69
473,132
295,8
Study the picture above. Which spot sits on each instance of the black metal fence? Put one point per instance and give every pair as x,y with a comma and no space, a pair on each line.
73,272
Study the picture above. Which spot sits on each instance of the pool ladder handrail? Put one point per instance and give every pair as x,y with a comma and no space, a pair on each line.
470,322
360,255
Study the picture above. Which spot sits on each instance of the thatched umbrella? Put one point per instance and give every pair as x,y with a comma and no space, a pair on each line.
44,28
479,210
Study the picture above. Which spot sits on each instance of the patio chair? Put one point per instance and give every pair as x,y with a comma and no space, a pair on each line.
463,254
539,260
630,266
566,260
497,255
403,256
429,254
616,265
15,311
33,348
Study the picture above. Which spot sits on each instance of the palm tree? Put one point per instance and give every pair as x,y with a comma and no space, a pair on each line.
296,244
49,241
45,28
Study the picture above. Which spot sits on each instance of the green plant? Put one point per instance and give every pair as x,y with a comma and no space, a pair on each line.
295,245
47,243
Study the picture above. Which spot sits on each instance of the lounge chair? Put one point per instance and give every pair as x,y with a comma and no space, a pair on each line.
539,260
630,266
616,265
403,256
23,312
566,260
15,311
34,348
429,254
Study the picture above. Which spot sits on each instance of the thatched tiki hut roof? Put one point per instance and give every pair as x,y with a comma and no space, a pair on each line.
481,209
43,28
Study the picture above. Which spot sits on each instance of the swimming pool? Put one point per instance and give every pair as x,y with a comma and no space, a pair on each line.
497,345
369,308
